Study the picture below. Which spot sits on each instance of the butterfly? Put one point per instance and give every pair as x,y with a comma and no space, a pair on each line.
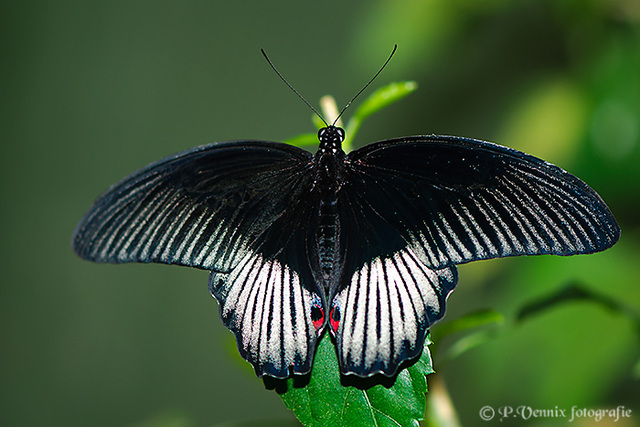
363,244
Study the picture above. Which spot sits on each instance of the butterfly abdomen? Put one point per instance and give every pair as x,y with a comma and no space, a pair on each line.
327,238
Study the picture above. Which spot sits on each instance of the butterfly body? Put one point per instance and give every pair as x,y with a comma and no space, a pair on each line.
363,245
329,164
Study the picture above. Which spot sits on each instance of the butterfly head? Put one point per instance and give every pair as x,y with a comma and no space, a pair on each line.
331,138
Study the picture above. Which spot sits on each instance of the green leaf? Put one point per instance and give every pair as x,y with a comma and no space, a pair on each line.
304,140
384,96
466,323
379,99
466,343
330,399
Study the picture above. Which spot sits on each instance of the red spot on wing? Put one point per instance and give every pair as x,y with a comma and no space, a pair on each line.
317,316
334,318
318,323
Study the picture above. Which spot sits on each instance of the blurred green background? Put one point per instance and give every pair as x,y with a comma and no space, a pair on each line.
91,91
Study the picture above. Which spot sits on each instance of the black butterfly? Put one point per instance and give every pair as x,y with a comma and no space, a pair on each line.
363,244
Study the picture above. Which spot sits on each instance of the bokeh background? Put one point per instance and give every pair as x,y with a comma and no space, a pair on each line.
91,91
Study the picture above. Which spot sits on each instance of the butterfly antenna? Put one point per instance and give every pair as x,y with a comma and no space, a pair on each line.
291,87
395,46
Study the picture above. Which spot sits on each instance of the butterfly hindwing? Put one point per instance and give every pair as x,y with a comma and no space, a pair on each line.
266,305
270,300
388,297
387,309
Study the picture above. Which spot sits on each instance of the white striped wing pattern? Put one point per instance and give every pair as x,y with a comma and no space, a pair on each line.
265,303
387,309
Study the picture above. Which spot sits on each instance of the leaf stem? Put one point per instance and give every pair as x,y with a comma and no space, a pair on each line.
440,410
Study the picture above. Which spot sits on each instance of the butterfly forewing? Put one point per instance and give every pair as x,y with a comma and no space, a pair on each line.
201,208
456,200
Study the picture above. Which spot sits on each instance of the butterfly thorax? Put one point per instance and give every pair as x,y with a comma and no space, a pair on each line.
329,159
331,138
